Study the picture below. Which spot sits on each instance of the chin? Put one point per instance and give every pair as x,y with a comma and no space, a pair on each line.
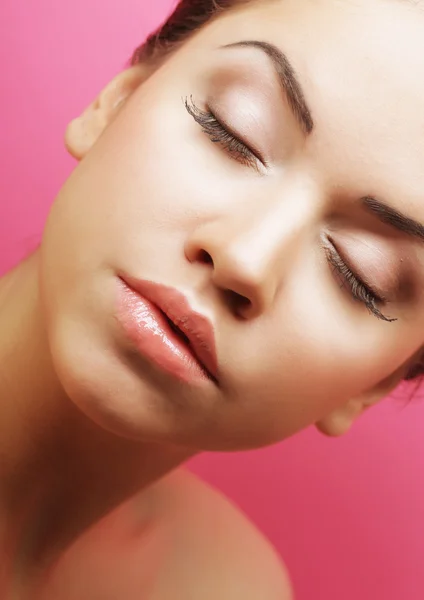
116,389
99,383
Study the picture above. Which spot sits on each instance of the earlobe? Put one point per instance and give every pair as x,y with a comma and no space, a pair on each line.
83,131
340,420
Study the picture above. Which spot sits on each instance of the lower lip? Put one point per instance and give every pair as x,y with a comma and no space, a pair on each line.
147,327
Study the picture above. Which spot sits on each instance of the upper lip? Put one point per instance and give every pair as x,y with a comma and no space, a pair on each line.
196,327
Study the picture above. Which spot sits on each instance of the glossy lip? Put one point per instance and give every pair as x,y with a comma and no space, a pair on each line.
154,306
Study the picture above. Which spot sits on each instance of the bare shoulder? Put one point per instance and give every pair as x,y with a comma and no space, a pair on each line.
219,553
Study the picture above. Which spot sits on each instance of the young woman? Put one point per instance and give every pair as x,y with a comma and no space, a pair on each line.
238,254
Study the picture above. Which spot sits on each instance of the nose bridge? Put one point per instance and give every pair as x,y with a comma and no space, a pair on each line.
262,239
250,249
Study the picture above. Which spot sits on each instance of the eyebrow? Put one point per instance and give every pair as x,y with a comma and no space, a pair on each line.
288,79
296,98
391,216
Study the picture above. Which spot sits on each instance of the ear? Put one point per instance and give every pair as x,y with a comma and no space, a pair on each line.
83,132
341,419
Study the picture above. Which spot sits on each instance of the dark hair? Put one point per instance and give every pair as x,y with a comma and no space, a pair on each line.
187,18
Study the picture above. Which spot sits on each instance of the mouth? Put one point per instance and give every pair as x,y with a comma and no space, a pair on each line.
165,329
186,340
178,331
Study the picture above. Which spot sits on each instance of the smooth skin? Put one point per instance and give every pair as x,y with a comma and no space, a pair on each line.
86,423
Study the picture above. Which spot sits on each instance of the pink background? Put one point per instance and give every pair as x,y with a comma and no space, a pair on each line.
346,515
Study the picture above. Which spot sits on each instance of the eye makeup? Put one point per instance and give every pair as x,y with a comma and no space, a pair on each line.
359,289
222,134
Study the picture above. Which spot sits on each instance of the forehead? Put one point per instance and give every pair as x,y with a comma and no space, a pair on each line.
361,64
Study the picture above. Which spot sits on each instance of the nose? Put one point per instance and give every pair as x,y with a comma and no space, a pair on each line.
249,258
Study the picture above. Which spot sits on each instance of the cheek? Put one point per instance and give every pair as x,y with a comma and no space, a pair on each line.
144,172
150,180
294,374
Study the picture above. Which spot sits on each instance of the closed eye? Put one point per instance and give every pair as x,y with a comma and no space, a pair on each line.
358,289
237,149
220,133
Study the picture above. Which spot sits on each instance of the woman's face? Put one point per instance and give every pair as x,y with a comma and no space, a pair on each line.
273,209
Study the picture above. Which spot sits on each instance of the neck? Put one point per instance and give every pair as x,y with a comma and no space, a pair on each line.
59,472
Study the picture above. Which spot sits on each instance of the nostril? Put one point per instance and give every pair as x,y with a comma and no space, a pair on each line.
237,303
204,257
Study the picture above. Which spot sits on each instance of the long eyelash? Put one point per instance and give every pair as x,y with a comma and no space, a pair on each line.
359,290
219,134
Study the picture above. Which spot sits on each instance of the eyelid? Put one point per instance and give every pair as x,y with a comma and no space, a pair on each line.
380,295
360,289
219,133
249,145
